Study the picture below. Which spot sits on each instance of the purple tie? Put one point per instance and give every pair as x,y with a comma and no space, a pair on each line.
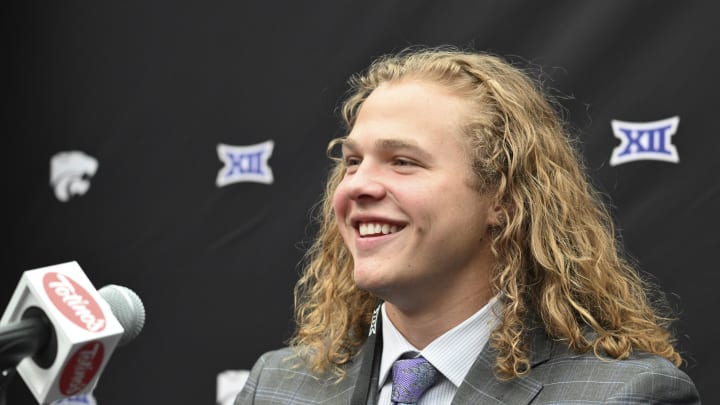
411,378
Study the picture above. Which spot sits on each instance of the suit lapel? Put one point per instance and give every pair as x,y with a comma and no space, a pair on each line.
481,386
333,392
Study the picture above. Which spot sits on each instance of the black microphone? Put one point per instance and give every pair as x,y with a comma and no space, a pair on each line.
59,332
32,335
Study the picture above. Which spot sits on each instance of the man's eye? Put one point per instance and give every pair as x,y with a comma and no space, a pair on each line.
404,162
351,161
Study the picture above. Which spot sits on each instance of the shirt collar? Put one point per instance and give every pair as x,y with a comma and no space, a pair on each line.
452,353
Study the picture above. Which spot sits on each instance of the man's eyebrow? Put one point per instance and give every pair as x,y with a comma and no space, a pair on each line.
388,145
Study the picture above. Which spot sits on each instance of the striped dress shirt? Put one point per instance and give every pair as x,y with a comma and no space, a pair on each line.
452,353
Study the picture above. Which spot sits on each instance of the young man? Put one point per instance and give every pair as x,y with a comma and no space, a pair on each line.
460,236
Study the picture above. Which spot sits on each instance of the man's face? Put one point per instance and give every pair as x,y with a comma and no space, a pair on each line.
416,228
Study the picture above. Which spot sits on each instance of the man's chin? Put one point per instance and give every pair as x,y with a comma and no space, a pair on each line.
370,281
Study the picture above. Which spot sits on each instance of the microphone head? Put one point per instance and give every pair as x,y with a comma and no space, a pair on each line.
127,308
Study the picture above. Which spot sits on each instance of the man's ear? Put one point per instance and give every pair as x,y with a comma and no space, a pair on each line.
498,213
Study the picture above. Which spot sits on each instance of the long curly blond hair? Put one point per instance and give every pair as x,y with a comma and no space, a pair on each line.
558,260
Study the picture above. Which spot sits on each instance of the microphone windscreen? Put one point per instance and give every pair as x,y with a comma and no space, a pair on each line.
127,308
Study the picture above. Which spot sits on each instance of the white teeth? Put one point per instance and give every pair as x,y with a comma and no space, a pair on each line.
375,229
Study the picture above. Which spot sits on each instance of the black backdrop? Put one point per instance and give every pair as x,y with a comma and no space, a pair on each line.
150,88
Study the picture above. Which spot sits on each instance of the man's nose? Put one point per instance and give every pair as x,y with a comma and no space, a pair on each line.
365,183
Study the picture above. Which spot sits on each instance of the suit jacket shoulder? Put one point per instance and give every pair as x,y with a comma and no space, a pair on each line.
561,376
641,379
279,377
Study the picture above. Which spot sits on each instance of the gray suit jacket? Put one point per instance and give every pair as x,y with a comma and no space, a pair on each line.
558,376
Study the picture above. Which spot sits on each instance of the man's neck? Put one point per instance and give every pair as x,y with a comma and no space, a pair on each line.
422,324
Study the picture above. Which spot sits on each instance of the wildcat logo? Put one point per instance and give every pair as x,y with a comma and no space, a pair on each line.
645,141
245,163
70,173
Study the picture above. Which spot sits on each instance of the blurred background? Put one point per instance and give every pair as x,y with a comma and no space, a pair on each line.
130,101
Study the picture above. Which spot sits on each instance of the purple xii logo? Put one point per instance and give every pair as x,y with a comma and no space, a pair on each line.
247,163
645,141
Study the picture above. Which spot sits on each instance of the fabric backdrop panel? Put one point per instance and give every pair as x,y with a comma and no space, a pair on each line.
148,90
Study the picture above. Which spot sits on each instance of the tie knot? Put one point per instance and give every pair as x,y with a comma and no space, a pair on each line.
411,378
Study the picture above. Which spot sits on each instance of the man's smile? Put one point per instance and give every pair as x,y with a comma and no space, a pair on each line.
377,228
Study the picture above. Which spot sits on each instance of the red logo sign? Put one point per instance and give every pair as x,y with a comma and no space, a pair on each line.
81,368
74,302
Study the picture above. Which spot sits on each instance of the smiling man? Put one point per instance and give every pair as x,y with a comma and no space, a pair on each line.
408,191
464,258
